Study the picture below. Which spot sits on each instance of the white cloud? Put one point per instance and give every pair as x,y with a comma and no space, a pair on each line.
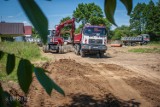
26,23
10,16
18,14
60,15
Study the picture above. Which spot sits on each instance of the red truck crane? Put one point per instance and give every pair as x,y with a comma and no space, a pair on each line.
92,39
55,41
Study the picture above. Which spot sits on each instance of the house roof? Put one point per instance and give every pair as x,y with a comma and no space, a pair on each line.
11,28
28,30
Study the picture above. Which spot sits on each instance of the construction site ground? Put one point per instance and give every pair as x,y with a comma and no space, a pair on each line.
120,79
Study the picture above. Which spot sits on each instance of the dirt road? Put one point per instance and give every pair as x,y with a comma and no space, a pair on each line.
120,79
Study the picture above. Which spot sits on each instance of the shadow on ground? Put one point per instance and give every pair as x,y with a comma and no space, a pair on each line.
95,56
81,100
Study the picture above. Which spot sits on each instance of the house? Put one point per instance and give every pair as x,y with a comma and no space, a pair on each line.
11,29
28,31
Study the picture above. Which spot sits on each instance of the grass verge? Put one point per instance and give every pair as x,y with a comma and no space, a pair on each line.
21,49
145,50
154,43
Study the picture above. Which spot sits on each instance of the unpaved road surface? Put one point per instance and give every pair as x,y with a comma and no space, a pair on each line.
120,79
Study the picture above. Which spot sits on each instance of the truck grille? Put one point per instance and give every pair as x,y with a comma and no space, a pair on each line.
95,41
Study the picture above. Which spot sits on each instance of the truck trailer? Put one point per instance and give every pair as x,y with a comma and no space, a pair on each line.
142,39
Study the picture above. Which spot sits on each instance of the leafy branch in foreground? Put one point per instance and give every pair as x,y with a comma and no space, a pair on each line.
36,16
24,74
110,7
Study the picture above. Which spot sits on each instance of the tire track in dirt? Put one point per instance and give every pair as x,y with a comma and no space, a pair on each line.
147,89
137,85
115,75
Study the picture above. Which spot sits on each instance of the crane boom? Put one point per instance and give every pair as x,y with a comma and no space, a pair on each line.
66,23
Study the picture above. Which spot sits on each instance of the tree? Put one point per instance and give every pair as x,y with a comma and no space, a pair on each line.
78,30
121,32
150,16
145,18
137,21
98,21
86,11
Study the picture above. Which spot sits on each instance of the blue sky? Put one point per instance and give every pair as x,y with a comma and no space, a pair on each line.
55,10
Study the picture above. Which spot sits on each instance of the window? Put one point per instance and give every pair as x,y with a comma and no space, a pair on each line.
95,31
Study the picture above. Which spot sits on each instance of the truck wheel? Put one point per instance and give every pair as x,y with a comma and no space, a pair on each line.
61,49
82,53
133,44
45,48
57,51
101,55
76,52
98,55
77,49
145,43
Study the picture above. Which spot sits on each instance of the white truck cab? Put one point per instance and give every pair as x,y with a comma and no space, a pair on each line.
94,40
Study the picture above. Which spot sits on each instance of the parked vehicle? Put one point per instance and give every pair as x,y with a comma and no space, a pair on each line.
142,39
92,39
31,39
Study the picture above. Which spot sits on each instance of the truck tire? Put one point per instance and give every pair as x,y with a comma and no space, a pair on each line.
77,48
57,51
101,55
45,48
133,44
61,49
98,55
82,53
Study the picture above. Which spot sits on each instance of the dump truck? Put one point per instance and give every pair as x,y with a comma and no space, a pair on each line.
142,39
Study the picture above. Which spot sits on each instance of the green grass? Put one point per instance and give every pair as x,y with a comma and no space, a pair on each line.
21,49
3,74
154,43
145,50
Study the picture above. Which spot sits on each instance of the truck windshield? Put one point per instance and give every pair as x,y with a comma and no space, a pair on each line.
51,33
94,31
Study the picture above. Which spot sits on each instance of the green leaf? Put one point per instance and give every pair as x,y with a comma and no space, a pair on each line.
109,8
36,16
46,82
24,74
10,63
2,98
1,54
128,5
